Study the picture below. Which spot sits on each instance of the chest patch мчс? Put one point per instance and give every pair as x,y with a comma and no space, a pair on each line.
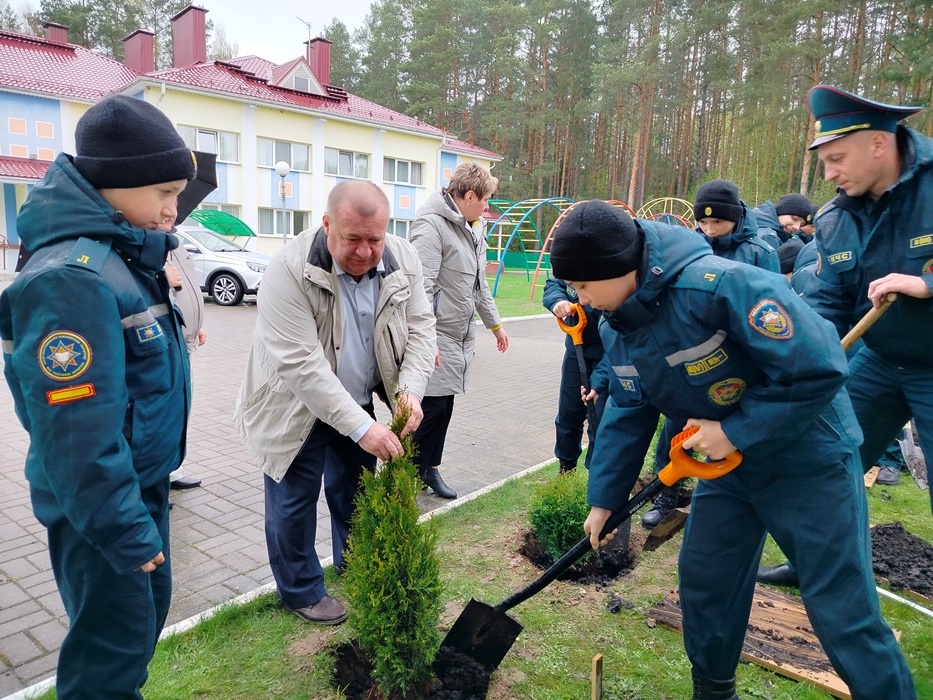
64,356
769,318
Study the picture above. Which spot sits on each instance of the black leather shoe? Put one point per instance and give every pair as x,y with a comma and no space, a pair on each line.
663,504
780,575
185,482
889,476
432,478
567,466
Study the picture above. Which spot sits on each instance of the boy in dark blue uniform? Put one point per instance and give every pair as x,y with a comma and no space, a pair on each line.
720,345
571,411
875,237
94,356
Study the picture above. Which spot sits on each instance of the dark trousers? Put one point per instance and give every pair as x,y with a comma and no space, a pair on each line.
432,433
572,412
115,619
291,511
820,520
885,397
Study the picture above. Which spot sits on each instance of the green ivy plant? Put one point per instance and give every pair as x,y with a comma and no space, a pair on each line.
558,511
392,576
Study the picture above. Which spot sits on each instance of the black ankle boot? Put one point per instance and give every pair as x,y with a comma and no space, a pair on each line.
709,689
432,477
664,504
567,466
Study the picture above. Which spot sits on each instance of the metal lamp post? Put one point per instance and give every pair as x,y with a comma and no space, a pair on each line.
283,169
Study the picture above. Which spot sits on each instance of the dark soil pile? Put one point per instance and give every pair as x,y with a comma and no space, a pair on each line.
458,677
902,558
600,569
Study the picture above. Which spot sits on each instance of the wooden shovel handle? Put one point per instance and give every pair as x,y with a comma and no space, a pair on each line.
858,330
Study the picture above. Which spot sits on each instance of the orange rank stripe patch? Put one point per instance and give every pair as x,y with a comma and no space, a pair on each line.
71,393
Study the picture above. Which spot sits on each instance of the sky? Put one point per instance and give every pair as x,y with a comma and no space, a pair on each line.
275,31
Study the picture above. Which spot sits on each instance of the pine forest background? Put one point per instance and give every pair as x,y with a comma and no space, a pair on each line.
620,99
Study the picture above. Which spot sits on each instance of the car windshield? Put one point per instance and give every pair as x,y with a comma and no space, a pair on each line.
212,241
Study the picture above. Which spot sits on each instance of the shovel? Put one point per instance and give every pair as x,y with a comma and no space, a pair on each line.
673,522
575,332
485,633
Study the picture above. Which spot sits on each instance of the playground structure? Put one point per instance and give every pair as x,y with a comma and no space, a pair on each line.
514,234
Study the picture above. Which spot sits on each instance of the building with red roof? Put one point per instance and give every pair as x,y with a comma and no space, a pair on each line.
251,112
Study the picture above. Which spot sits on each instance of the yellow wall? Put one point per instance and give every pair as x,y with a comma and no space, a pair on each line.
414,148
350,137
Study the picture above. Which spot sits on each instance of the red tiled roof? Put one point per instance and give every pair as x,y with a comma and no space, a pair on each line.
228,77
34,64
254,64
23,168
467,147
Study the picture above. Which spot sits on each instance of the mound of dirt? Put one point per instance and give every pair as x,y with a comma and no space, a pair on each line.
600,569
902,558
458,676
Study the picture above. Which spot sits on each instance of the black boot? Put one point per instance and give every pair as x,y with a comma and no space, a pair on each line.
663,504
431,476
567,466
708,689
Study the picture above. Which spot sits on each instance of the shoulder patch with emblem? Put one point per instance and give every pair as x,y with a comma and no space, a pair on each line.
928,267
88,254
63,356
829,206
771,320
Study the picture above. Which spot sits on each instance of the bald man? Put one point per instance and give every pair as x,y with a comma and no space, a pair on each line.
342,315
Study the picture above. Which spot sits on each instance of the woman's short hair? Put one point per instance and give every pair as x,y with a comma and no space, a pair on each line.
470,177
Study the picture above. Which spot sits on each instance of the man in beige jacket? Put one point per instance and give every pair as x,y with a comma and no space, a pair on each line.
342,314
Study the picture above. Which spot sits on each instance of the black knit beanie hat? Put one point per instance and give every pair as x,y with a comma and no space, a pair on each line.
718,199
788,252
595,241
796,205
124,142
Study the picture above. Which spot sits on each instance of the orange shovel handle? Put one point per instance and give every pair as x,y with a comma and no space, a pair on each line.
575,331
683,465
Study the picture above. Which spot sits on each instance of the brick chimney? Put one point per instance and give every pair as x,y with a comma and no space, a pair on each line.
56,32
319,59
189,37
139,51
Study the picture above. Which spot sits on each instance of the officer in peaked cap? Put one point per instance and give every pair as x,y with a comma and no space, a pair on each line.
875,237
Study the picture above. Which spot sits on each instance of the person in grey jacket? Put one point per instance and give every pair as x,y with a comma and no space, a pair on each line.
448,234
342,314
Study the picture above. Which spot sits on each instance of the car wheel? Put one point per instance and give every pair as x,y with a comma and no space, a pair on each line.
226,289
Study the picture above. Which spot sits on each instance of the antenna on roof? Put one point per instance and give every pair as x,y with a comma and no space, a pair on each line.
307,24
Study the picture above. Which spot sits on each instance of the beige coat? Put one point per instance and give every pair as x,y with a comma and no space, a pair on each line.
190,298
290,381
454,261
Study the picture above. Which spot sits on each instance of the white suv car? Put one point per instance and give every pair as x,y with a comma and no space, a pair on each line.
225,270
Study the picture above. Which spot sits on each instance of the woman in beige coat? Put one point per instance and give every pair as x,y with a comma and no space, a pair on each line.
448,235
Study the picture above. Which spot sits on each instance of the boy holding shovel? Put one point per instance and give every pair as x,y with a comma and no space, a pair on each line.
720,345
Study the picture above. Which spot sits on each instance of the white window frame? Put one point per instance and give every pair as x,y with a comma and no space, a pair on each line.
392,164
397,225
335,158
277,154
193,135
297,220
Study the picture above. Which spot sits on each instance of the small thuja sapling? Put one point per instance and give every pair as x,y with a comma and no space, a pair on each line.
393,576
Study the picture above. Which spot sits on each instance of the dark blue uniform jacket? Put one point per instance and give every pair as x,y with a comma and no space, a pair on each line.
860,240
715,339
95,361
745,245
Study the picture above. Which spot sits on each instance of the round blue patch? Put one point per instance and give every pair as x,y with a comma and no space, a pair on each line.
63,356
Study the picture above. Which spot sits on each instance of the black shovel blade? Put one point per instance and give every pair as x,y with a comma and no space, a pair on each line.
483,633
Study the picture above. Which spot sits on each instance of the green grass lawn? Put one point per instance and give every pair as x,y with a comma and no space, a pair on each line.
260,651
513,294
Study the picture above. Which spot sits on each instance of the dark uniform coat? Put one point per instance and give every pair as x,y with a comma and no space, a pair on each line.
718,340
98,370
860,240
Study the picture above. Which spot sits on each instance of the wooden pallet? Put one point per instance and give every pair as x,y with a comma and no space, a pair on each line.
871,476
779,637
